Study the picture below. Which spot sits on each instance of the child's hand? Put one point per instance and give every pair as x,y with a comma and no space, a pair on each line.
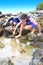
11,28
18,36
13,32
39,34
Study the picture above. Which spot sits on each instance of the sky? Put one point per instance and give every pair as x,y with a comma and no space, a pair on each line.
16,6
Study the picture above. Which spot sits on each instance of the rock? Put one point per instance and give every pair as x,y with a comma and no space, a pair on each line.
9,33
23,37
41,59
8,29
1,32
5,61
2,45
31,37
37,57
11,36
34,37
37,44
1,23
10,62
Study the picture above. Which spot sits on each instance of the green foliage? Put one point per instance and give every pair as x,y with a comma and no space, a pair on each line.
39,6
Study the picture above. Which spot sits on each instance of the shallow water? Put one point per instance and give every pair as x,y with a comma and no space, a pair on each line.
19,51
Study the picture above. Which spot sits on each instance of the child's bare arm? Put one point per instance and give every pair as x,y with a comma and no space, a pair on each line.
37,24
16,27
21,28
39,28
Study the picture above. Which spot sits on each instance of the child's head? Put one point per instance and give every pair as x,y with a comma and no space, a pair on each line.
24,17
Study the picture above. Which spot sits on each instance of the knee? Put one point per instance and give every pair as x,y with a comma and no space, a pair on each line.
25,27
28,27
10,22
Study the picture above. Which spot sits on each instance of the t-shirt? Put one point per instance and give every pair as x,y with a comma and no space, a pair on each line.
30,21
14,20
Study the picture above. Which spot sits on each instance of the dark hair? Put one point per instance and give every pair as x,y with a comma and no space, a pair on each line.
24,16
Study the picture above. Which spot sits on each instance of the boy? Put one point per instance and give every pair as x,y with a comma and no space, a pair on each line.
27,23
12,21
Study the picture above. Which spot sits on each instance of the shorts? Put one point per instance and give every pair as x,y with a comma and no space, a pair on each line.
33,25
29,23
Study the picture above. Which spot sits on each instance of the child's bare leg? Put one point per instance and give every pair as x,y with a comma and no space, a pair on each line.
32,31
29,27
14,24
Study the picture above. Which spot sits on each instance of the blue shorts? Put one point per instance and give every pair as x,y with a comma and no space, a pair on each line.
33,25
30,23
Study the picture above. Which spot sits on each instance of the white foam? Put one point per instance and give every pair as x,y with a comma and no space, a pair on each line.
17,41
7,40
23,45
28,43
16,53
33,50
5,52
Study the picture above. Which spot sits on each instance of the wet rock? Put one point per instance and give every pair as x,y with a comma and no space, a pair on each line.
31,37
34,37
1,23
1,32
39,38
2,45
11,36
25,33
10,62
37,44
37,57
7,30
23,37
5,61
41,59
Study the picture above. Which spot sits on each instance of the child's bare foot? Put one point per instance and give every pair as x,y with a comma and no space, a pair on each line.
18,36
39,34
32,33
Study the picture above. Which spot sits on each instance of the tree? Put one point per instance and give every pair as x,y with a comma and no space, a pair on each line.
39,6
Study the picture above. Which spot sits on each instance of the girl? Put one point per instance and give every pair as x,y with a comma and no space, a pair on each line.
27,23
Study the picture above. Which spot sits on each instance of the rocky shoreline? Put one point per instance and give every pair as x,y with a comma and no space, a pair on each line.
27,50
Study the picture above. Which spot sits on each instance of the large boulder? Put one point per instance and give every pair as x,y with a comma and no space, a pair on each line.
37,57
34,37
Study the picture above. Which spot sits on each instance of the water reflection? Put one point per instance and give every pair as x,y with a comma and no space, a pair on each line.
18,50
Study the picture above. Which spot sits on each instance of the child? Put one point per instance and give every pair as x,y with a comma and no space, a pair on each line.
27,23
12,21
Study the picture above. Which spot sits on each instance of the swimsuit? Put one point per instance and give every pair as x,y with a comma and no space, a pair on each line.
31,22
